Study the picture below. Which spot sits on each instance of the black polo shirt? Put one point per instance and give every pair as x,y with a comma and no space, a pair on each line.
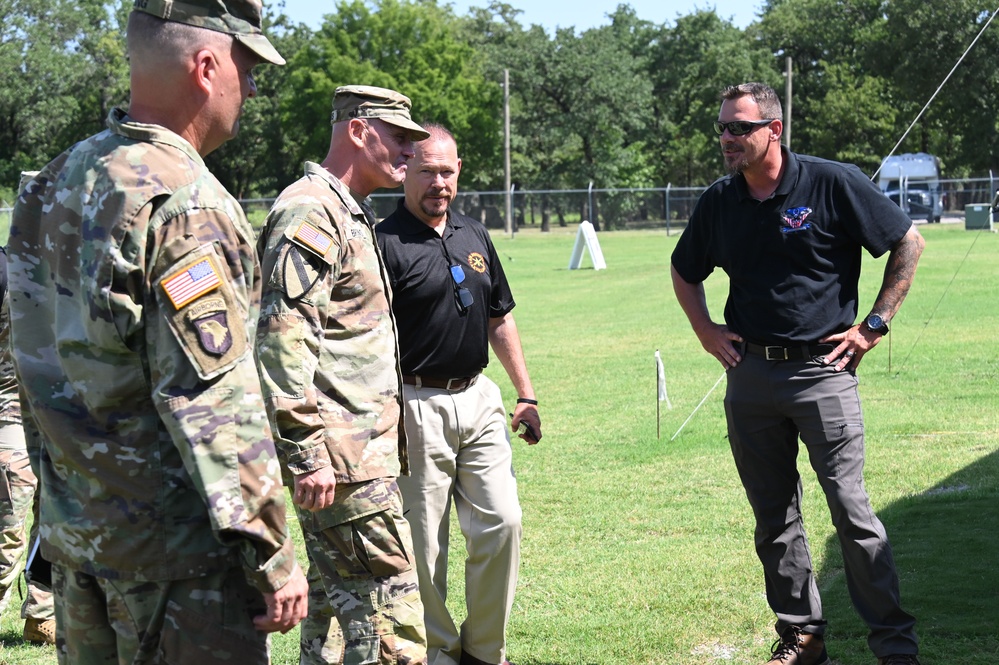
435,338
793,261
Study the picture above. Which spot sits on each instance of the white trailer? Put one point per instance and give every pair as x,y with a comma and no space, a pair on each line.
913,182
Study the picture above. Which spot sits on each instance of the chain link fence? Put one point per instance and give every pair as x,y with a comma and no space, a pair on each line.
619,209
648,208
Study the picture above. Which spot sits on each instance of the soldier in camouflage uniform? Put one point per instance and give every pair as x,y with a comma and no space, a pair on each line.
18,493
328,358
133,285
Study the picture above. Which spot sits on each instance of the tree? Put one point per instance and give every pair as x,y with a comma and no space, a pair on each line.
689,65
263,158
412,47
842,108
579,113
927,40
61,68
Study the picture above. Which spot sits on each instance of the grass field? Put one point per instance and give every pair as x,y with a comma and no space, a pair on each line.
638,549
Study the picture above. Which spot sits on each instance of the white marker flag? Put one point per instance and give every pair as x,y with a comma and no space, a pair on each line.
661,375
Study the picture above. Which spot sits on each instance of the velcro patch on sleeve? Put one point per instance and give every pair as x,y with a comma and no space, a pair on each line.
314,238
191,282
206,318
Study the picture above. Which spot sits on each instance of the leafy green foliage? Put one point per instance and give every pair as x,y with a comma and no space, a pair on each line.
413,47
626,104
61,69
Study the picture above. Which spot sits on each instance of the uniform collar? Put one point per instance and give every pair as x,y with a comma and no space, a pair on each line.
317,170
791,170
122,124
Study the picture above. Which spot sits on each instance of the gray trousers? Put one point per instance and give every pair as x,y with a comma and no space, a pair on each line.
769,405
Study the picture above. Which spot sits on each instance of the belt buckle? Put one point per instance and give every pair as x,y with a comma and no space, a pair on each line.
775,352
455,381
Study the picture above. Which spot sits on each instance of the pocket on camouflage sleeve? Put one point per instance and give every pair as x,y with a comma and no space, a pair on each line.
201,308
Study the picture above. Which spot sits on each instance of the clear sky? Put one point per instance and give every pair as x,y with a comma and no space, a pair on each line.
562,13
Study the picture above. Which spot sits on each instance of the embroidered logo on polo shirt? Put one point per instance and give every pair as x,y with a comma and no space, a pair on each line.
794,220
476,262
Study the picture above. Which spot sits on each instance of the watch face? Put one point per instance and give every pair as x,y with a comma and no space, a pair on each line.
876,323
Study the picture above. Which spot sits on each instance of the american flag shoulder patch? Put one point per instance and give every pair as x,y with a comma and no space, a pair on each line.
314,238
190,282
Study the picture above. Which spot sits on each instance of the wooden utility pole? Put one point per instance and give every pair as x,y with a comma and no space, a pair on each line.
506,151
787,105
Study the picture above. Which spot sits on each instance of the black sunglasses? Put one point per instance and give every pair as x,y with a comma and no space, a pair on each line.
462,296
740,127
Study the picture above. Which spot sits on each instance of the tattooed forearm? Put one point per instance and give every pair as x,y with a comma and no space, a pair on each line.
899,271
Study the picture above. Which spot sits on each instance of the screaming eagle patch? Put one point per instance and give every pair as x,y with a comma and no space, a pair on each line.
204,313
213,329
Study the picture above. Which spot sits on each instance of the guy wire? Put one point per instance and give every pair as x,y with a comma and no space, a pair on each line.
904,135
939,302
939,88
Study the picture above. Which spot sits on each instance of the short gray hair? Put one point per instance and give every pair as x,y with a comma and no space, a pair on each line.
154,40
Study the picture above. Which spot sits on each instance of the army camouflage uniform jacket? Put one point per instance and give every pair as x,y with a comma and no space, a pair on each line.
133,283
326,343
10,406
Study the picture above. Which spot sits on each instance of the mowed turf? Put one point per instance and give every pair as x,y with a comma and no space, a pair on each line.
638,549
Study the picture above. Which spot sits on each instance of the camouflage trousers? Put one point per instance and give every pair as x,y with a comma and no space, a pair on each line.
205,619
17,498
362,549
320,639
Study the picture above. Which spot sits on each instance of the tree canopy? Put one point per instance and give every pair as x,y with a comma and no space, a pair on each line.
626,104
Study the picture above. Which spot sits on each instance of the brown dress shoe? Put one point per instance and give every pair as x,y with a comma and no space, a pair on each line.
39,631
798,648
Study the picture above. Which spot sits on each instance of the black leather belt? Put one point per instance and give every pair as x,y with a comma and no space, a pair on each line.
800,352
455,385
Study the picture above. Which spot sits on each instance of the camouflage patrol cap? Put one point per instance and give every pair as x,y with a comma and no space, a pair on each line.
366,101
239,18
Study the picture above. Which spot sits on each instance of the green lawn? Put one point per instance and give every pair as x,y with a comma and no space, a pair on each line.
638,549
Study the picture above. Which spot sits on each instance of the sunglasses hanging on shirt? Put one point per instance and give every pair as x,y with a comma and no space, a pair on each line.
462,297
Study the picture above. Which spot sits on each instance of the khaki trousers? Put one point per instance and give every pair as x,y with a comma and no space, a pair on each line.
459,450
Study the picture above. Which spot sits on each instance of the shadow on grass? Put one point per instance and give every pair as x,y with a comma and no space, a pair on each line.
11,637
946,546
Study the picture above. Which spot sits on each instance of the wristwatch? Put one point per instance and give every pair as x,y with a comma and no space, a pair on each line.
876,324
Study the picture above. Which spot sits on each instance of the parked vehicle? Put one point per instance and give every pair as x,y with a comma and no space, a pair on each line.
912,181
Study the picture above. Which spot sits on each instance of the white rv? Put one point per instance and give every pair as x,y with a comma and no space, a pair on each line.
913,182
